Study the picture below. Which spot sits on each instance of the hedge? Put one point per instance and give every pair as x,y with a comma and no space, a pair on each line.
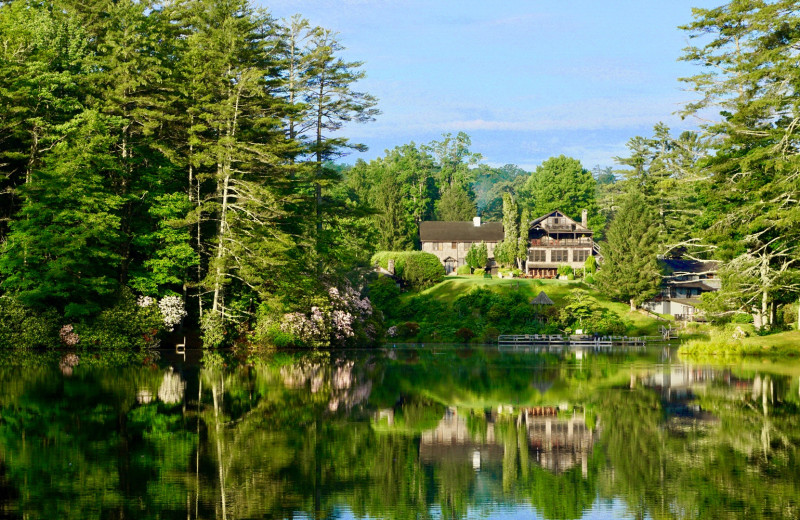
412,267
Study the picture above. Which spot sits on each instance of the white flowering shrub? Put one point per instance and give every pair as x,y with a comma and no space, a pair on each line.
173,310
145,301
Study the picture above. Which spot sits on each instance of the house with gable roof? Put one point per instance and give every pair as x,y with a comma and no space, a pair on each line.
555,239
450,241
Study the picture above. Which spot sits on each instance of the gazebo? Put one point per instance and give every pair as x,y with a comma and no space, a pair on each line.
542,299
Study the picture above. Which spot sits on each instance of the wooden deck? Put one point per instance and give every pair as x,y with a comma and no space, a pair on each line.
528,340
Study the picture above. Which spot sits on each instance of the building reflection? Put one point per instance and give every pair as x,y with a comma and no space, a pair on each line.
554,442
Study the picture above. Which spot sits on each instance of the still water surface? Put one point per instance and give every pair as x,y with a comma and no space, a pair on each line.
399,433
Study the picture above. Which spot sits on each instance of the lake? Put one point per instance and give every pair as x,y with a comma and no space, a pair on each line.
399,432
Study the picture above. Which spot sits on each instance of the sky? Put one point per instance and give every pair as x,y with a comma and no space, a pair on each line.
526,79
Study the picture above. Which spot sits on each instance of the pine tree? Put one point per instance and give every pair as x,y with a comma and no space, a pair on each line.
238,148
455,205
751,72
630,270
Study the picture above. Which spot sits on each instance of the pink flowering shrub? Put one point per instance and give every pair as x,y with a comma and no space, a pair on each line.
68,336
336,318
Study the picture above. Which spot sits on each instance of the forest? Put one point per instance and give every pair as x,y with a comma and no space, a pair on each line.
183,163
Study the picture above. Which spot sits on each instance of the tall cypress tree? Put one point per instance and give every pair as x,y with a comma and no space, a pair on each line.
630,270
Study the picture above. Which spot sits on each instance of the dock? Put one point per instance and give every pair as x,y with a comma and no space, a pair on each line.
531,340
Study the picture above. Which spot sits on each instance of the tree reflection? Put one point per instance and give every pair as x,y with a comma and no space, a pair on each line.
414,434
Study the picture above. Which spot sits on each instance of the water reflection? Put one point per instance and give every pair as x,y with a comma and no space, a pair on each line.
399,433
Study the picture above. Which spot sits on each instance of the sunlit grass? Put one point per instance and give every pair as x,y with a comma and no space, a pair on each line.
454,287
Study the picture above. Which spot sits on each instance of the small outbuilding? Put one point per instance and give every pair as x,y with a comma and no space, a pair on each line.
542,299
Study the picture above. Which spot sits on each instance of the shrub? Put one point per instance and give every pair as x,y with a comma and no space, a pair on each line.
589,279
383,292
126,325
491,334
564,270
21,327
463,269
742,317
416,268
465,334
423,270
409,329
590,265
570,276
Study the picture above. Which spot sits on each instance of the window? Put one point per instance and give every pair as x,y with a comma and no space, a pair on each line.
580,255
538,255
453,245
560,255
555,220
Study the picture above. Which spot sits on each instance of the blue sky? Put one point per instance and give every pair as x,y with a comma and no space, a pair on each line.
527,80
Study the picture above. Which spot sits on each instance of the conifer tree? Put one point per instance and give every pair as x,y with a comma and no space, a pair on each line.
630,270
750,74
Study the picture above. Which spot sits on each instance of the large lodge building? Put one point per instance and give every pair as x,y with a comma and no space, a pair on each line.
554,239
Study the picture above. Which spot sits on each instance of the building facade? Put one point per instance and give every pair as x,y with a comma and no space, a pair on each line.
683,283
555,240
451,241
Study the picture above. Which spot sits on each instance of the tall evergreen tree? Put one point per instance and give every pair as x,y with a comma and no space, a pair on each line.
455,205
331,101
630,270
751,76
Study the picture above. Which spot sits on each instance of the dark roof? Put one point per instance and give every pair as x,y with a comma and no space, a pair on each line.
441,231
686,301
561,214
679,266
542,299
694,284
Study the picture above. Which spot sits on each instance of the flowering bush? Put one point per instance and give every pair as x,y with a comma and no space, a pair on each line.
173,311
128,324
68,336
337,318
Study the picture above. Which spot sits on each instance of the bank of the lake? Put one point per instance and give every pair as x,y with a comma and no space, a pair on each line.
720,343
477,309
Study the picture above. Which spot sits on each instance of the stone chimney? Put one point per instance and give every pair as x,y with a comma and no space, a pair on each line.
585,218
476,221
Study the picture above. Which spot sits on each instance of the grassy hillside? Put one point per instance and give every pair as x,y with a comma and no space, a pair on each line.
441,310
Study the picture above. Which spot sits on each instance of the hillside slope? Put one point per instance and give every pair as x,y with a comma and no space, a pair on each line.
473,308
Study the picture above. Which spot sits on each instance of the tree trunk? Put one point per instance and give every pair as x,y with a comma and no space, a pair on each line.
221,243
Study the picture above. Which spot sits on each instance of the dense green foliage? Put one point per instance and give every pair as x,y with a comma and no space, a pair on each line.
630,268
477,256
175,149
562,183
416,268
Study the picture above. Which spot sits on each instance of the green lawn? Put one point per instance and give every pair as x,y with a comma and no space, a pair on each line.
722,347
454,286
